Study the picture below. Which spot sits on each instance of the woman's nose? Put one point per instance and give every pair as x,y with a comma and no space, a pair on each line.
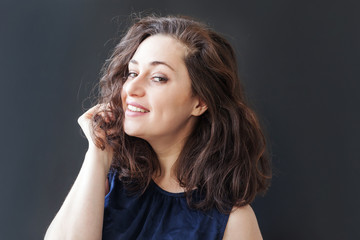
135,86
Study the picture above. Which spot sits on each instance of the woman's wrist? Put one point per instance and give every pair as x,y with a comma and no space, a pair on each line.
101,156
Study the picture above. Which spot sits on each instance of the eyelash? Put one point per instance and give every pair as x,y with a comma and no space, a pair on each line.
160,79
130,75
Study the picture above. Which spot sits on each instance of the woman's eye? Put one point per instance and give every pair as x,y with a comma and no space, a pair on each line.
132,75
159,79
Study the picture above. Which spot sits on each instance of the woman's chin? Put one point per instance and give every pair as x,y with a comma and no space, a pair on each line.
134,133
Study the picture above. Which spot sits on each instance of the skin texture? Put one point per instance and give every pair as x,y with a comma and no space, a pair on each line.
242,224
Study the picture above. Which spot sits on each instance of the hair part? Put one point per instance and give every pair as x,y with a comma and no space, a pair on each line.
225,157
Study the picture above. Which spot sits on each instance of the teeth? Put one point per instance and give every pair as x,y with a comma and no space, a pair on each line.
135,109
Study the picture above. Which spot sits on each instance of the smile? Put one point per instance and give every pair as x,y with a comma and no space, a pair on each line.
136,109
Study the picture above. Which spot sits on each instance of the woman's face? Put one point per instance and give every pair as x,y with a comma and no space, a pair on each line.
158,101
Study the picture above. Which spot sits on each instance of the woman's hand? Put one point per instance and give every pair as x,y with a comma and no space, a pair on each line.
85,122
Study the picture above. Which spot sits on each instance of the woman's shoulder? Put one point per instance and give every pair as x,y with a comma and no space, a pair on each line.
242,224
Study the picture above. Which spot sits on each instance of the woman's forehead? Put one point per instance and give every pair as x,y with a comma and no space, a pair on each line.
160,49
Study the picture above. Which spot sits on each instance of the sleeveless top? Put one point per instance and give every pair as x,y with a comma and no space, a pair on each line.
157,214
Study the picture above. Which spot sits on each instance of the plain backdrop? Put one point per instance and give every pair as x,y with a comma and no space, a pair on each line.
298,60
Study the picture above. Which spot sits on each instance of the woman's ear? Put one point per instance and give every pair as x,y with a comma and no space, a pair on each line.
199,108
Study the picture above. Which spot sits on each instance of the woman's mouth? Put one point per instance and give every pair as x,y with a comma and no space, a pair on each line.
136,109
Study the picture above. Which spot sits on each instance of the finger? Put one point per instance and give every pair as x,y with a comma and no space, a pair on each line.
89,113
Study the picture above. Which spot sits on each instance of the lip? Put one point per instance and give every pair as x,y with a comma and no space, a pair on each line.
137,105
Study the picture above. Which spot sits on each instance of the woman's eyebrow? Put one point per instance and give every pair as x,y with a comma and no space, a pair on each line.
154,63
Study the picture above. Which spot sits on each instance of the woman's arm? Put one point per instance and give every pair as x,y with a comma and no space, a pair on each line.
242,224
81,215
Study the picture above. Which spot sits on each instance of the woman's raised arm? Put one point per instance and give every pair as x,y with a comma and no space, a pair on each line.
81,215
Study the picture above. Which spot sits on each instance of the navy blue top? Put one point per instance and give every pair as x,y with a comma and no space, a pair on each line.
157,214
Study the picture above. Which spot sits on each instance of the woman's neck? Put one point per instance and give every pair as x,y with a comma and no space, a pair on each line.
167,155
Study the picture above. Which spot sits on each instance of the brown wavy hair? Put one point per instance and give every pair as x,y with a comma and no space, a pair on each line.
225,156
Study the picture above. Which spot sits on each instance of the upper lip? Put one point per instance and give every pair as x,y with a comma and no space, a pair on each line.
137,105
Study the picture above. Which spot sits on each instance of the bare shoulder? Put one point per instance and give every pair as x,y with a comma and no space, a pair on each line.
242,224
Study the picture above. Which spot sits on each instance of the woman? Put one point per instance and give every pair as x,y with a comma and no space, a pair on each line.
181,154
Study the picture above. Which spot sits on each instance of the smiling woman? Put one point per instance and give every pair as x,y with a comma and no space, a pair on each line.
163,91
172,138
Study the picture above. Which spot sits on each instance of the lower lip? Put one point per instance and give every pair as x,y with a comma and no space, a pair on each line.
134,114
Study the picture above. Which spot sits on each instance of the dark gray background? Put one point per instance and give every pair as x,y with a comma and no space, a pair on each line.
299,61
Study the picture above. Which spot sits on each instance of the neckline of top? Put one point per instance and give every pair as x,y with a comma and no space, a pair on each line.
171,194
